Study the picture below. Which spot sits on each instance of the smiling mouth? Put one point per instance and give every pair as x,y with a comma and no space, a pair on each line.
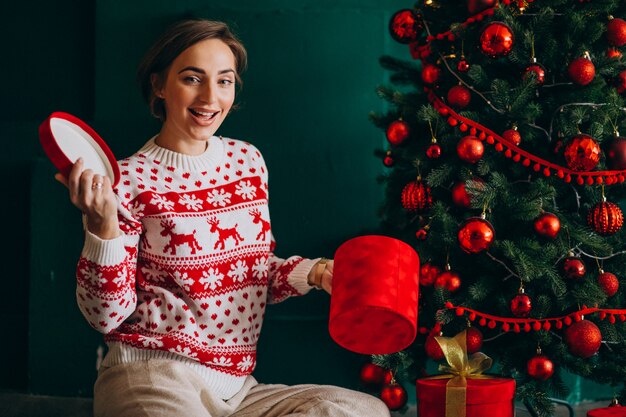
206,116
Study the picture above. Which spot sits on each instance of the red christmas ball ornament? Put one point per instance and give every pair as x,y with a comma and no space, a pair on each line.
496,40
470,149
583,338
394,396
582,153
406,26
540,367
613,53
616,31
417,197
460,196
428,274
422,233
608,282
605,218
538,71
476,235
433,151
574,267
459,96
372,375
521,304
449,280
430,73
620,82
433,349
477,6
581,71
388,161
397,132
513,136
547,225
616,153
473,339
463,65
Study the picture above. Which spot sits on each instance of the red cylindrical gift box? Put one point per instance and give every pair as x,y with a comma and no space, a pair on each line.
491,397
373,307
607,412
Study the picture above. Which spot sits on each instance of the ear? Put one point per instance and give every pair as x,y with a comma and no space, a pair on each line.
156,85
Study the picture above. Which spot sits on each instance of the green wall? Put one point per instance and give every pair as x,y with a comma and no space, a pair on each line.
310,85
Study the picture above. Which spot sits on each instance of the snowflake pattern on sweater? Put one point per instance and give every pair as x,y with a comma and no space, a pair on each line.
194,267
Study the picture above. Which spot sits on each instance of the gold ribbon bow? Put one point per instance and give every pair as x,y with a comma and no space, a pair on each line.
459,368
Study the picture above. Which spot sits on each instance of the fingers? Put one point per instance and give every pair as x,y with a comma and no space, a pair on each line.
61,178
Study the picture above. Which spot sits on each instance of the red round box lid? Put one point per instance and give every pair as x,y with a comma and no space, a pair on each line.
65,138
607,412
373,307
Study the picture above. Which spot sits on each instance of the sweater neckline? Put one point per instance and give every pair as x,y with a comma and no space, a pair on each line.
208,159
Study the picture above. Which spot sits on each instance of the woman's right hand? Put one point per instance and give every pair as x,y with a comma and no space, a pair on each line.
93,195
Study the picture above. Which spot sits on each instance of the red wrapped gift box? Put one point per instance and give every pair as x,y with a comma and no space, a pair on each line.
492,397
607,412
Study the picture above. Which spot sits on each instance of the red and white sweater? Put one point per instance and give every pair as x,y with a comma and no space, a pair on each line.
190,276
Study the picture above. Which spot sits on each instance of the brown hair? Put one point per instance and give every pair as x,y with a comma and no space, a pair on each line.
172,43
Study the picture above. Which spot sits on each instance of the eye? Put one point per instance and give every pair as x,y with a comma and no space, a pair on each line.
226,82
192,79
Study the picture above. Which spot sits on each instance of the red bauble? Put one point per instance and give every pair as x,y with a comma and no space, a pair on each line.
406,26
477,6
608,282
470,149
547,225
496,40
513,136
616,153
459,96
538,70
521,305
613,53
540,367
449,280
430,73
433,349
473,339
372,375
460,197
582,153
428,274
394,396
620,82
605,218
463,65
583,338
416,197
397,132
581,71
616,32
422,233
388,161
574,267
433,151
476,235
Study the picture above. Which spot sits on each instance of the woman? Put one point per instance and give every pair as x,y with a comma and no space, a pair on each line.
177,265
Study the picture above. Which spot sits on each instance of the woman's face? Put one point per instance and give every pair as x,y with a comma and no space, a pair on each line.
199,91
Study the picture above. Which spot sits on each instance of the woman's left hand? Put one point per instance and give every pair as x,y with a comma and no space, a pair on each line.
327,277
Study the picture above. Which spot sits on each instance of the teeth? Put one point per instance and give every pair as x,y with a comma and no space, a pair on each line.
205,114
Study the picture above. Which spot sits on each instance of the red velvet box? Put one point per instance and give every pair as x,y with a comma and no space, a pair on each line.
491,397
607,412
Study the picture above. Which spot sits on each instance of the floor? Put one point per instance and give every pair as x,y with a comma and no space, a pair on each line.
22,405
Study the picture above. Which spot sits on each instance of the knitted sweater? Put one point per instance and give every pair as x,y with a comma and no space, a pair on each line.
190,276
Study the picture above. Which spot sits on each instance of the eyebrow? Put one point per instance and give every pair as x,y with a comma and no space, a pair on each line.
201,71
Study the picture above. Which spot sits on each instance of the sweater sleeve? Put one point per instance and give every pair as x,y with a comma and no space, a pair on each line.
105,274
287,277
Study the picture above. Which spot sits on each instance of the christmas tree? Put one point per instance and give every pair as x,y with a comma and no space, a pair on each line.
505,170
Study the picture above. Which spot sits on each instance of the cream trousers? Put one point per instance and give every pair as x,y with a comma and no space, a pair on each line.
166,388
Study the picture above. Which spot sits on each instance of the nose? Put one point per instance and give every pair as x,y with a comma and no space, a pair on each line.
208,94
